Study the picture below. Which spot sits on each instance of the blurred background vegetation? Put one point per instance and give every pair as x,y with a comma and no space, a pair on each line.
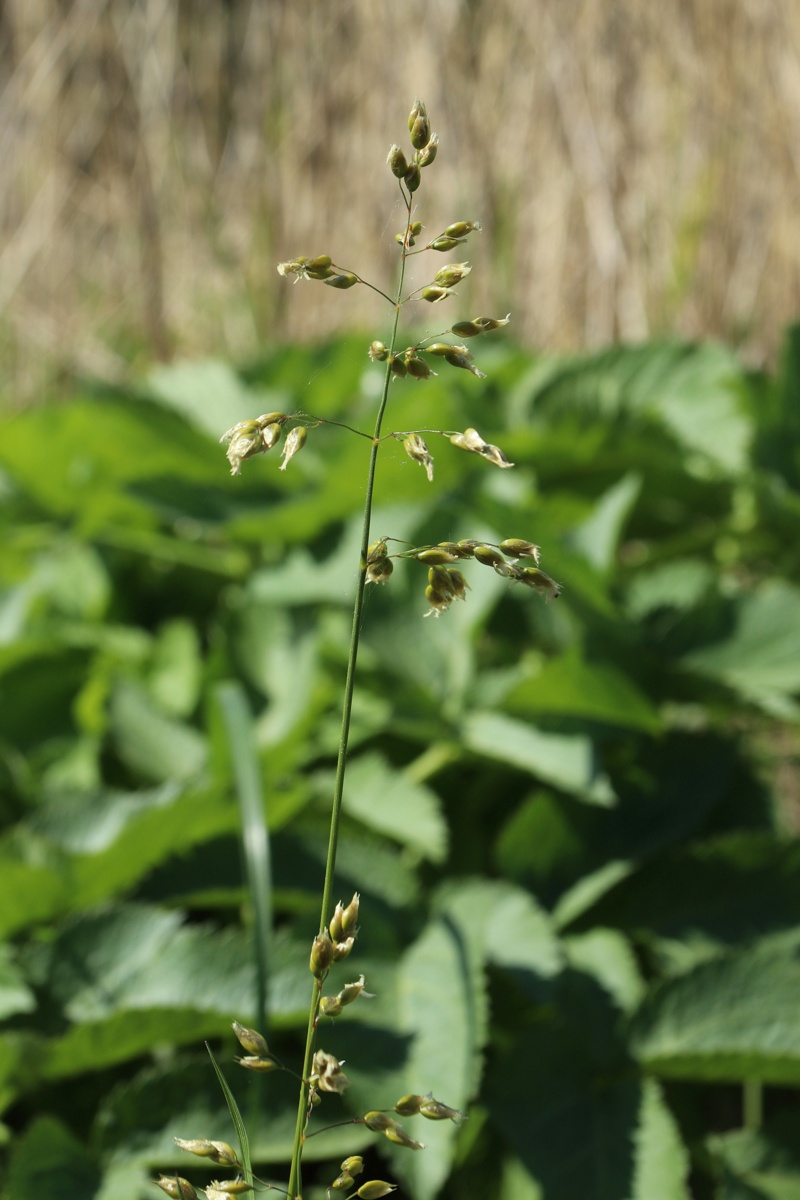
635,167
574,826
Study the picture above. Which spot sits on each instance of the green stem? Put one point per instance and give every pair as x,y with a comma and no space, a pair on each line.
753,1103
341,762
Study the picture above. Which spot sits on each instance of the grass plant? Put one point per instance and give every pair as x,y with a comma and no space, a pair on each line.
321,1073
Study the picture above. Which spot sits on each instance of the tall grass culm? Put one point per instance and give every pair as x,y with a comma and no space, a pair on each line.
320,1075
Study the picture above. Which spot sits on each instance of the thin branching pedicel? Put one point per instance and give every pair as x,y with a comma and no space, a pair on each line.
322,1079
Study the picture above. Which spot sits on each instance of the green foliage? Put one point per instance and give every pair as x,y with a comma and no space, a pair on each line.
569,823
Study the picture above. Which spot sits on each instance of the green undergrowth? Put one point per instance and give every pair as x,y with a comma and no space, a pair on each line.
572,825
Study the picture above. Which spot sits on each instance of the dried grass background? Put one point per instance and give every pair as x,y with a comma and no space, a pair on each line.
636,167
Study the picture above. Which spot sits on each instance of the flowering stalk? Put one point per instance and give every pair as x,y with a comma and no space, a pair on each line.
341,760
321,1072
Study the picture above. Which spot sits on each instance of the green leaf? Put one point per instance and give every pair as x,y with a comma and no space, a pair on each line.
47,1162
238,723
277,653
609,958
149,742
732,889
761,1163
568,761
140,1119
503,924
571,686
679,584
174,677
598,536
760,657
121,1037
105,446
564,1097
734,1018
237,1119
15,995
210,395
137,957
441,1003
689,390
386,800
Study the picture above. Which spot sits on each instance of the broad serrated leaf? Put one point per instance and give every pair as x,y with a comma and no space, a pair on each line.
566,760
759,1162
210,395
136,957
49,1163
15,995
154,745
598,692
104,446
610,959
598,536
389,802
731,890
441,1004
688,390
734,1018
760,656
122,1037
564,1097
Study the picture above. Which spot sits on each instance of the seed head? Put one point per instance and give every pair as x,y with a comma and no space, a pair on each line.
335,927
374,1189
428,153
342,949
452,274
439,601
295,440
224,1189
397,161
416,449
540,582
460,229
380,571
472,328
321,955
419,126
399,1137
177,1187
250,437
458,583
433,293
471,440
488,556
218,1152
434,1110
417,367
294,266
412,177
250,1039
435,556
440,581
327,1073
330,1006
342,282
350,914
254,1062
445,243
517,547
